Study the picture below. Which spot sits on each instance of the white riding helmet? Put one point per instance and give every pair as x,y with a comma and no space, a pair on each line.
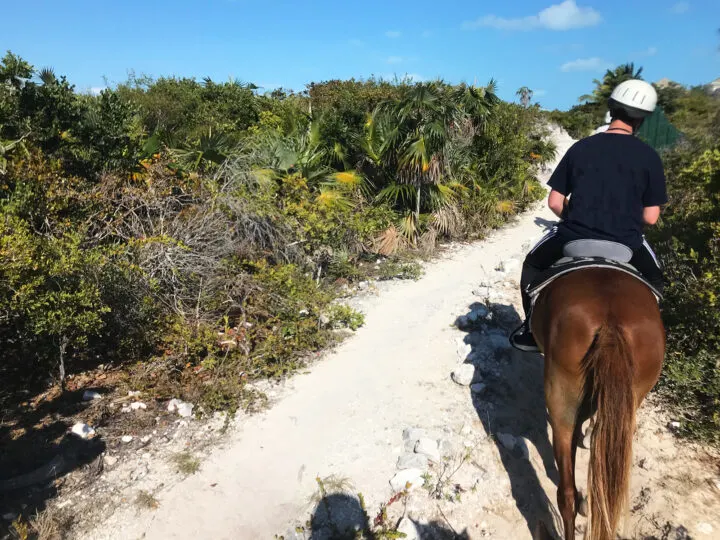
637,98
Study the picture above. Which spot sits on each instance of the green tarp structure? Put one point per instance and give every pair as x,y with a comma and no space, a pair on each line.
658,132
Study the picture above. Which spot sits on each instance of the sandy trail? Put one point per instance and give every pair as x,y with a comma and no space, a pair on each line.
346,417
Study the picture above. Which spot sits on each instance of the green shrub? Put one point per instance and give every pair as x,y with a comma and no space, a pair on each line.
199,231
342,316
688,241
580,120
400,270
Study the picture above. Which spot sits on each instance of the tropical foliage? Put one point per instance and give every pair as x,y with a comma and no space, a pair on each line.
688,241
612,78
201,232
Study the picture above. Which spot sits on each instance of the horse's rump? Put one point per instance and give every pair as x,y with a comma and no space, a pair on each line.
604,341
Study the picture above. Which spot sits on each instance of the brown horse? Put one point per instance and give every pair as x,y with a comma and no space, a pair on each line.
604,342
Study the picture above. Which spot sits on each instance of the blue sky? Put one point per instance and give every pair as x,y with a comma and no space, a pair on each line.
555,47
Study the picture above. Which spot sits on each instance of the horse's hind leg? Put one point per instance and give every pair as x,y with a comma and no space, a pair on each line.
563,395
579,442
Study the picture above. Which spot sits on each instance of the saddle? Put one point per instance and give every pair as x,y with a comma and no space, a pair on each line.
588,253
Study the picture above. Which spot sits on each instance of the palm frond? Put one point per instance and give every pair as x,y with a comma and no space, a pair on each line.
398,193
506,207
409,227
333,199
47,76
389,241
447,220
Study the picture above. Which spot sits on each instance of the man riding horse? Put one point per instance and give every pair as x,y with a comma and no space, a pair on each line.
595,318
608,187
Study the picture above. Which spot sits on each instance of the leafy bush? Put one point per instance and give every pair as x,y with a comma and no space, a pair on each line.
580,120
181,109
199,231
688,241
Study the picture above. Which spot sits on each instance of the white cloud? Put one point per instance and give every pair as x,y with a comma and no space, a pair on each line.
394,59
427,33
96,90
539,93
566,15
356,42
650,51
586,64
680,8
392,34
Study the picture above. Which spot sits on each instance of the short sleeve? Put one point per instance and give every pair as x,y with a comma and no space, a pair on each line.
655,191
560,179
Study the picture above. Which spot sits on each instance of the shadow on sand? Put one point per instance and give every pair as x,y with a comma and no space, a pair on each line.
339,516
511,406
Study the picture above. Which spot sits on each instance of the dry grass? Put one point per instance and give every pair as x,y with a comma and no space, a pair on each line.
186,463
49,525
146,500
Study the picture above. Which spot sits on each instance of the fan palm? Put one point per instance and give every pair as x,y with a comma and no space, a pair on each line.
525,95
211,148
604,88
414,147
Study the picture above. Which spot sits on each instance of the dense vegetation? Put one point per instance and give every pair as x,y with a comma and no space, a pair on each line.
200,232
688,242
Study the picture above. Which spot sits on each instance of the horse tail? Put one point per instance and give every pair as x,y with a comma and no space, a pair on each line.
609,371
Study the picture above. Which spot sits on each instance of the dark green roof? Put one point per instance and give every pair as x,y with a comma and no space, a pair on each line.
658,132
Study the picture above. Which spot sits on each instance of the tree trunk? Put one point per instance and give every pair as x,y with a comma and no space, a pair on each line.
417,207
63,348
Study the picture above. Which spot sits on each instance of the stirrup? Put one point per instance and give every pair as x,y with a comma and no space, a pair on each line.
524,330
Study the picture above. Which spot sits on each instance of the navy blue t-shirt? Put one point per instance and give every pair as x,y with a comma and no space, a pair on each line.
610,178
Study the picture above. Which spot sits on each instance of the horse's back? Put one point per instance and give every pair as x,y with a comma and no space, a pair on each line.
572,310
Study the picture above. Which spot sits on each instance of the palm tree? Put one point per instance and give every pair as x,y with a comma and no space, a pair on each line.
604,88
47,76
412,147
209,150
525,95
7,146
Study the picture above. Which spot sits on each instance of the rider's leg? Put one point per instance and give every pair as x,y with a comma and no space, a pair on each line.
647,263
541,257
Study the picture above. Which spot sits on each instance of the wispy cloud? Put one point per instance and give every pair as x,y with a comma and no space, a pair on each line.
680,8
96,90
393,34
394,59
427,33
650,51
566,15
356,42
539,93
586,64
